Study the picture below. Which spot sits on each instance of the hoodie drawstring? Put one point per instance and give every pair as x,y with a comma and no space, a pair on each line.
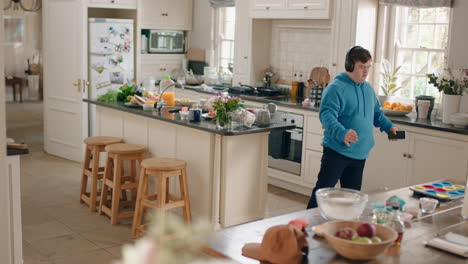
363,103
357,97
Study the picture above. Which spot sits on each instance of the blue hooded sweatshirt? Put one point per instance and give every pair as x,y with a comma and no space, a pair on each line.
348,105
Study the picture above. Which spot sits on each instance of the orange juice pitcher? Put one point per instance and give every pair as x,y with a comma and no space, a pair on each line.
169,97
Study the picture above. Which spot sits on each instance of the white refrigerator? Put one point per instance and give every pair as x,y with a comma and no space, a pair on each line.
111,58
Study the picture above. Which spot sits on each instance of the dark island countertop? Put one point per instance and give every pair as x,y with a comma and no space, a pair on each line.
296,102
229,242
205,125
14,152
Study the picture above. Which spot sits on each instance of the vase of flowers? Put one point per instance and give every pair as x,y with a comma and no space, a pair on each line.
452,89
222,105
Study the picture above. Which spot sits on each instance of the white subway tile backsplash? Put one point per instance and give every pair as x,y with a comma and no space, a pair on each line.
298,50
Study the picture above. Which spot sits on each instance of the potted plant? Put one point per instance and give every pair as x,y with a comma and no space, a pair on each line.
452,89
389,78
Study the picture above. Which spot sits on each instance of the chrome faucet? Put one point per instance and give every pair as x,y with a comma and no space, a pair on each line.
161,102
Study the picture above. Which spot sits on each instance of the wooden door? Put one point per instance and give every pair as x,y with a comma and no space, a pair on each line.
432,158
65,55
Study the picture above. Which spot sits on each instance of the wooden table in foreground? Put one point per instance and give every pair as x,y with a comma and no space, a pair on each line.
229,241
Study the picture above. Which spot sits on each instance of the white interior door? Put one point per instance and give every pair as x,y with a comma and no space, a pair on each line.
65,55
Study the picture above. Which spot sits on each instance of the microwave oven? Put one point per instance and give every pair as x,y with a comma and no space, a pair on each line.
165,41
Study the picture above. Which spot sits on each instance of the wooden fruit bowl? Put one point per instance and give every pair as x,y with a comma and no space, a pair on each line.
351,249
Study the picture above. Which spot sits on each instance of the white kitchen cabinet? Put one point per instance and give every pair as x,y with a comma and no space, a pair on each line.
242,48
157,65
291,9
128,4
386,166
312,163
431,158
166,14
417,159
269,4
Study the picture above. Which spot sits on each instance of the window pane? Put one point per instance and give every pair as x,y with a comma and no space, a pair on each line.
227,48
427,36
405,82
420,86
410,37
443,15
420,64
440,41
413,15
431,90
437,62
404,59
428,14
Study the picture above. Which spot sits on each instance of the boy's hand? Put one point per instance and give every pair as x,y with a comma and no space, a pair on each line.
393,130
350,137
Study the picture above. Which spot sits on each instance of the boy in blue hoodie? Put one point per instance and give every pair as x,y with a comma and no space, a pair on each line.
349,110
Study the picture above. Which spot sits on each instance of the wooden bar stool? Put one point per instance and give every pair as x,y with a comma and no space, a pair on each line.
115,180
163,168
94,146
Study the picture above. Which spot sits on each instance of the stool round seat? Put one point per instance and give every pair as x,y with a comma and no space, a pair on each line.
125,148
163,164
102,140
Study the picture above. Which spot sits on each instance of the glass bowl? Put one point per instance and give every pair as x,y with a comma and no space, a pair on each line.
341,204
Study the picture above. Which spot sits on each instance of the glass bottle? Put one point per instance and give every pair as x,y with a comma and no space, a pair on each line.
396,223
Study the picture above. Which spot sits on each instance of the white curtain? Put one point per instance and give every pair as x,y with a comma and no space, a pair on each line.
222,3
419,3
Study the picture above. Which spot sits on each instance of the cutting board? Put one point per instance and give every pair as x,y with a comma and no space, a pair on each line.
321,77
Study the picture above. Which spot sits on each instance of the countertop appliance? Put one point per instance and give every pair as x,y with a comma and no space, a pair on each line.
111,58
285,147
255,91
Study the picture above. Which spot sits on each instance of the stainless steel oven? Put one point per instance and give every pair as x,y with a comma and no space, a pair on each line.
285,147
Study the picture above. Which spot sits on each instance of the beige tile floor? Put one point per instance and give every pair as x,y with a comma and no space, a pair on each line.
56,227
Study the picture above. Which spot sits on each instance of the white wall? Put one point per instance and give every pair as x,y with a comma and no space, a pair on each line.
15,56
458,55
200,36
5,239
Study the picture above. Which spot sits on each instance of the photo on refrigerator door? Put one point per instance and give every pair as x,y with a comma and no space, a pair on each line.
117,77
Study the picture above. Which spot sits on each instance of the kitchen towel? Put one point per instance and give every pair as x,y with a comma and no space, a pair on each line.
451,242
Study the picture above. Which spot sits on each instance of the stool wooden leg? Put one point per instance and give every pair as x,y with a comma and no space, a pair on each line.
94,185
133,174
185,195
161,191
116,191
138,216
84,178
104,190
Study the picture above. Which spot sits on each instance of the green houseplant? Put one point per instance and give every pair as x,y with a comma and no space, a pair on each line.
389,78
452,89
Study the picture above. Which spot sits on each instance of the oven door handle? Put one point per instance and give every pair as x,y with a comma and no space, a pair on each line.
294,131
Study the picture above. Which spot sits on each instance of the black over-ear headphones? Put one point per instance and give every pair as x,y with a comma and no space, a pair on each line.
349,62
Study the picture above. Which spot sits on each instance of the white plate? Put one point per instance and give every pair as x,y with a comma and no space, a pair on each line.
205,115
128,104
395,113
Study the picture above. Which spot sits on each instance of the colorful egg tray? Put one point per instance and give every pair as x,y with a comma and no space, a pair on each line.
442,191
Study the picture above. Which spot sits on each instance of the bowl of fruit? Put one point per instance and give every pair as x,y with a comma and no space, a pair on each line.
355,239
396,108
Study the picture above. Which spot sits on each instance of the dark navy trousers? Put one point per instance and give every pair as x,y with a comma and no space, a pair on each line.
336,167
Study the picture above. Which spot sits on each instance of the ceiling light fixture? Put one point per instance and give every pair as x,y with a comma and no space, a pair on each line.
35,5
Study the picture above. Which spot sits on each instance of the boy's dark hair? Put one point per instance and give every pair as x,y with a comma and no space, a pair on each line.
356,53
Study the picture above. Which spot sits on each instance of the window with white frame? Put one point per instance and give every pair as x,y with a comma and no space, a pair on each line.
421,36
225,36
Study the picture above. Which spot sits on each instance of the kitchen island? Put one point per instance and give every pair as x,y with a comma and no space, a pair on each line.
226,169
229,242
